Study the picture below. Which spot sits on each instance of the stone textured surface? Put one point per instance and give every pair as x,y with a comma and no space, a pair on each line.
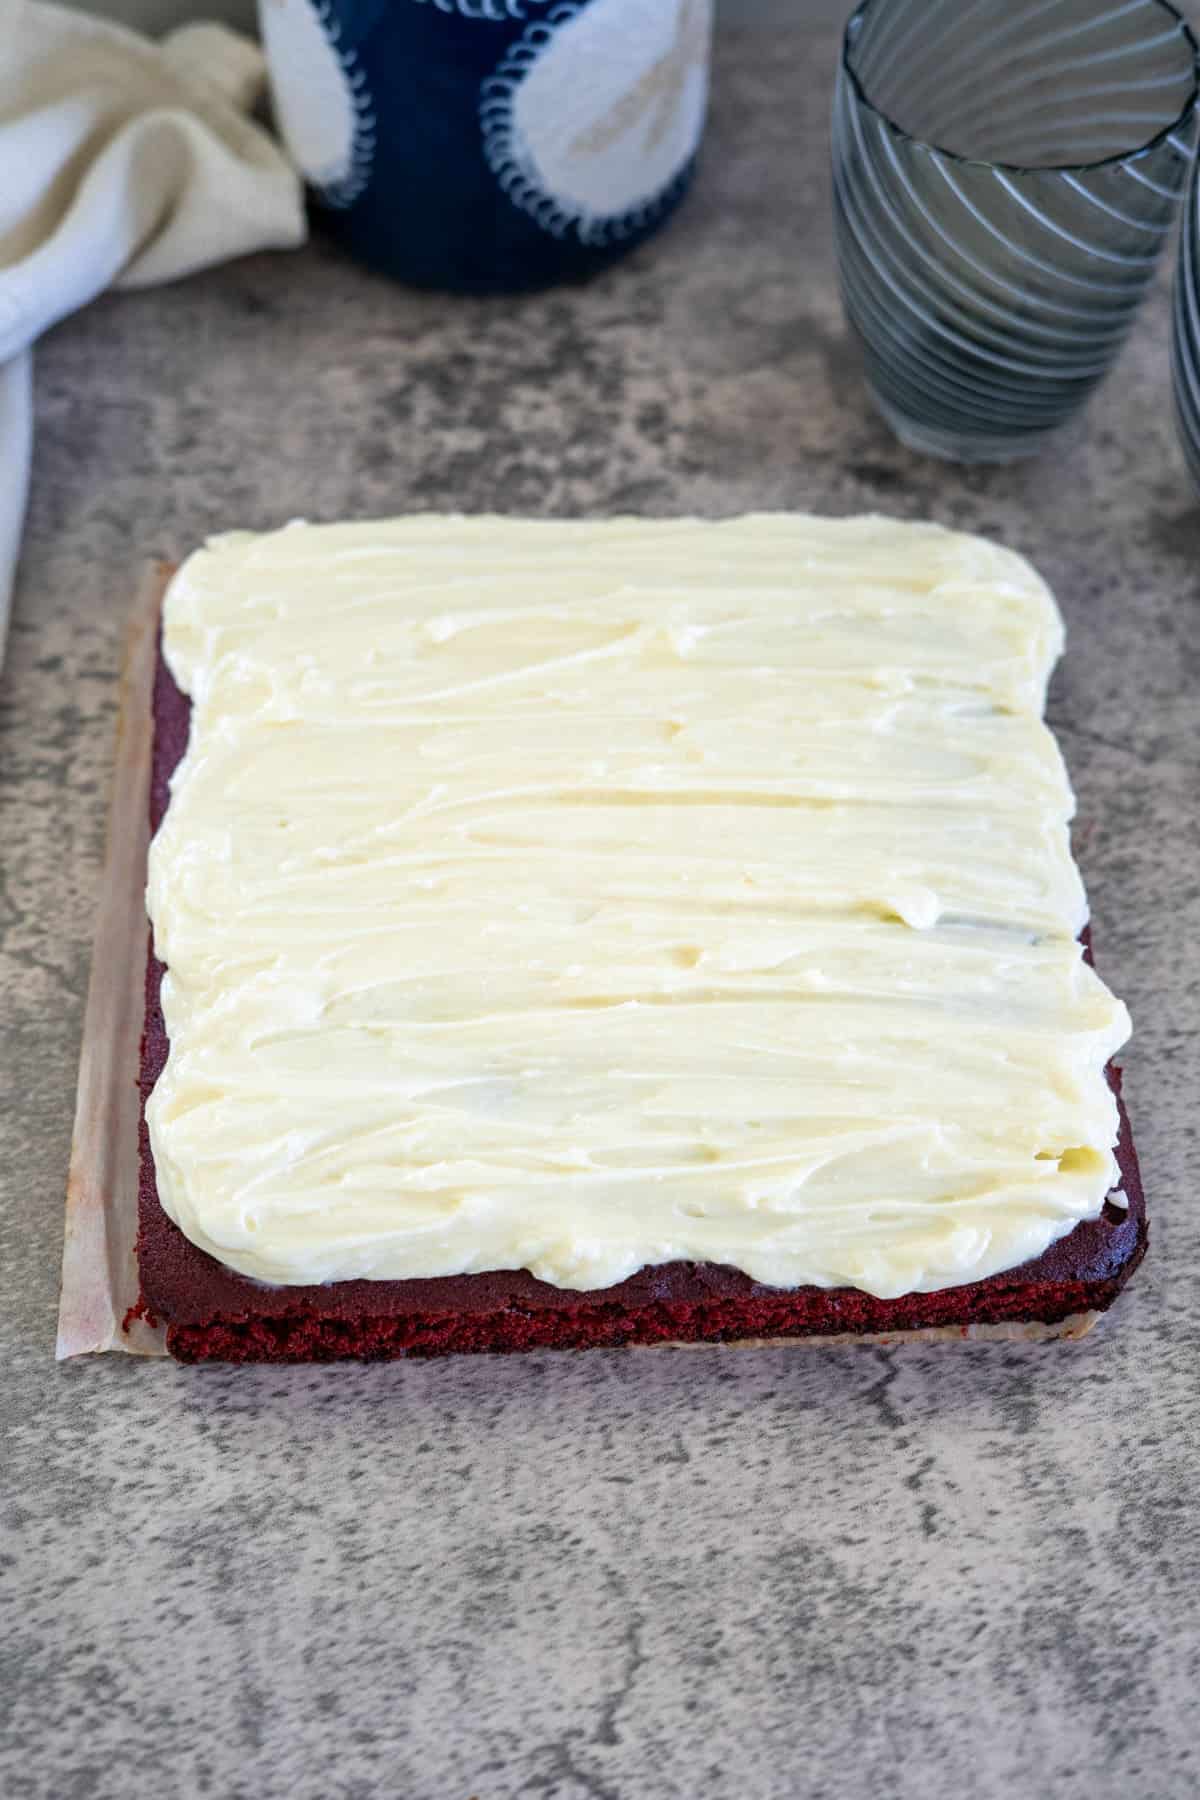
629,1576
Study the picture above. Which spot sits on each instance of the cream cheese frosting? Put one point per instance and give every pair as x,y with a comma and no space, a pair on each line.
581,896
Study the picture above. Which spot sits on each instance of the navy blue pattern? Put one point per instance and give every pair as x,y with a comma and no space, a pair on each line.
439,206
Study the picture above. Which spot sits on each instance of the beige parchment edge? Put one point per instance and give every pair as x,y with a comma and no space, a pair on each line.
1002,1331
99,1268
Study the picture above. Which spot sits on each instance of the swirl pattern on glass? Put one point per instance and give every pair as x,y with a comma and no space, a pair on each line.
1185,339
1005,173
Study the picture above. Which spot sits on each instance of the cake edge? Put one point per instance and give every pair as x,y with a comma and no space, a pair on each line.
213,1314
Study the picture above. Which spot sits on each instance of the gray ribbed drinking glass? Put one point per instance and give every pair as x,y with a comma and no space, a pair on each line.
1005,173
1185,340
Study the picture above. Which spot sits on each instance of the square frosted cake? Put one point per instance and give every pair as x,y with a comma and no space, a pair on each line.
618,932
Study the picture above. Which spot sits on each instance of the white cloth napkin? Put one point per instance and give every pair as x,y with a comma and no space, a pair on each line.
122,163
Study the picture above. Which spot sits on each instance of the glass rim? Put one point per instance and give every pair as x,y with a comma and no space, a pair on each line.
1115,160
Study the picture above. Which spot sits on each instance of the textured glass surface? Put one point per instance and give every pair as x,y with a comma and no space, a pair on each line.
1185,346
1005,173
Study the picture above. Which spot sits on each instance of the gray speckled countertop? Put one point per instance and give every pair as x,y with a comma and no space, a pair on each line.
946,1572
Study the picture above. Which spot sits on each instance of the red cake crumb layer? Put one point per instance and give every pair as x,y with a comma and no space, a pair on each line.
214,1314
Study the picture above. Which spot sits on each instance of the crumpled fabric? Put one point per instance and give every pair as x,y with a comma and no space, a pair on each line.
122,163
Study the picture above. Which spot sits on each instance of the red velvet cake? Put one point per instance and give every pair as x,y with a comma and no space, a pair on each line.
212,1312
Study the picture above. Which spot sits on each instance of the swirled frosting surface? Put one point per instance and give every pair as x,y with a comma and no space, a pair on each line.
580,896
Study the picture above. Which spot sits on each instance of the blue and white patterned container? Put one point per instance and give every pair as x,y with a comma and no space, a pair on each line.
491,144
